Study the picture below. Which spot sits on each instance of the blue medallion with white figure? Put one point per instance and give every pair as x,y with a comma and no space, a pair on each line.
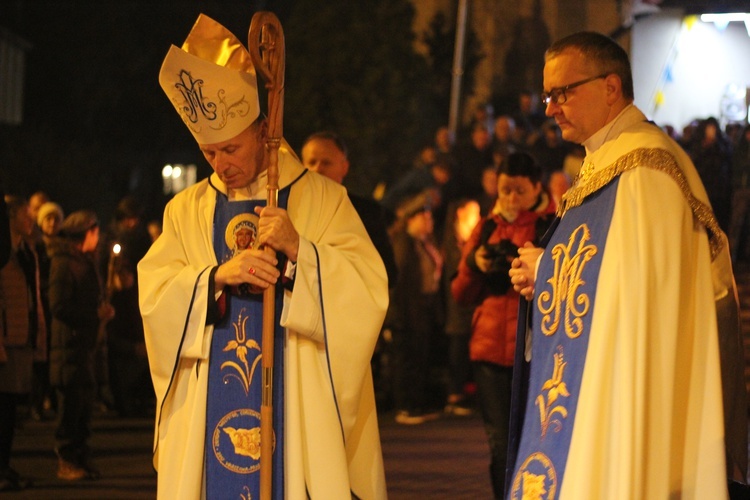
563,306
234,380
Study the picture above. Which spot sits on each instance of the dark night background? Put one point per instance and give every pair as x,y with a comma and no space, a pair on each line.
97,126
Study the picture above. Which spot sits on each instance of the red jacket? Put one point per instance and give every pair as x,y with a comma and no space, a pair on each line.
493,337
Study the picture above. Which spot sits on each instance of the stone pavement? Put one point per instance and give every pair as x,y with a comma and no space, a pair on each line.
446,458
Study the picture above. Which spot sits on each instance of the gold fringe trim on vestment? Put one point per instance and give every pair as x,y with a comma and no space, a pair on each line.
657,159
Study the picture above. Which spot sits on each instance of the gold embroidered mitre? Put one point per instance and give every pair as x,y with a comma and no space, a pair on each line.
211,83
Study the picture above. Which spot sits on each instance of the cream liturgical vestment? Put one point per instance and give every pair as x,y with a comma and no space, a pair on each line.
627,402
332,318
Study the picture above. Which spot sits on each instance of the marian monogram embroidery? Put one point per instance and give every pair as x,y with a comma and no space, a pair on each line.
195,105
564,297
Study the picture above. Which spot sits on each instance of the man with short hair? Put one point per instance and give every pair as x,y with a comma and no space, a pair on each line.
326,153
624,396
203,316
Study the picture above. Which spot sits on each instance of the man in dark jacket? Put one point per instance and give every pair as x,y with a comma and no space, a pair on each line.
75,304
326,153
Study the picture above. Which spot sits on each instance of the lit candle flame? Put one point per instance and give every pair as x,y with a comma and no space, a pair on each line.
116,249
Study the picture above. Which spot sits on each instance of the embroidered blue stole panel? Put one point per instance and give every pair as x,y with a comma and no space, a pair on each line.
234,380
563,307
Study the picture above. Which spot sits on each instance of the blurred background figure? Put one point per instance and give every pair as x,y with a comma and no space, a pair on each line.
24,335
414,315
549,150
712,154
154,229
36,200
128,372
444,147
49,219
503,139
463,216
488,195
527,115
739,226
483,114
472,158
557,184
77,309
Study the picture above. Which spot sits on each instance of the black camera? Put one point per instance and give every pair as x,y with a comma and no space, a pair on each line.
500,254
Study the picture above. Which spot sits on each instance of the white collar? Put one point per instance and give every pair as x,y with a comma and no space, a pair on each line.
627,117
255,191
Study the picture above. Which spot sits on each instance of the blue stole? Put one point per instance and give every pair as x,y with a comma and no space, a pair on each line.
234,369
562,309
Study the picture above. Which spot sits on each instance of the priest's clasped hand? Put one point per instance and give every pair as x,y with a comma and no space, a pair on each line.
252,266
523,270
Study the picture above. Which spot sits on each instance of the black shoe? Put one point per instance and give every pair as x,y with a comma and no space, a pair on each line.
91,471
11,480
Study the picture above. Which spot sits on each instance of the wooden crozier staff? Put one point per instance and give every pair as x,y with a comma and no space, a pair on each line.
266,46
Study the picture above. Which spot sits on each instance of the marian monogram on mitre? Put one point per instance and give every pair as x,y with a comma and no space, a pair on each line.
195,106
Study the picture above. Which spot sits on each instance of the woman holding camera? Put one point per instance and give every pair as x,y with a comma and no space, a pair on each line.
521,213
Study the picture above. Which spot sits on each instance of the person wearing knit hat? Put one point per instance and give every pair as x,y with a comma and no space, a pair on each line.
415,309
203,321
49,219
75,302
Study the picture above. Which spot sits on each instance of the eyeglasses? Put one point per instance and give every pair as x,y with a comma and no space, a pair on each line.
557,94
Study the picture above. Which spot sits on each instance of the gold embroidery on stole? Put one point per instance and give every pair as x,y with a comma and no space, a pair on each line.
570,262
246,442
240,345
555,388
657,159
535,486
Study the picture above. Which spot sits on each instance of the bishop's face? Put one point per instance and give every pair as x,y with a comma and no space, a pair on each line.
239,160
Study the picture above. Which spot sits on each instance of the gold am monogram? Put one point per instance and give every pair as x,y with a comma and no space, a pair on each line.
570,261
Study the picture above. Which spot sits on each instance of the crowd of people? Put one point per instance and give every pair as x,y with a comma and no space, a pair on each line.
72,333
449,346
483,169
461,242
467,169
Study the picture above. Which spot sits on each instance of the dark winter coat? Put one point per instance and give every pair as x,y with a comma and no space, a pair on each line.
74,297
